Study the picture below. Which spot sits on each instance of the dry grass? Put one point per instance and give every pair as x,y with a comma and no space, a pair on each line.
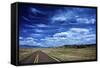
64,54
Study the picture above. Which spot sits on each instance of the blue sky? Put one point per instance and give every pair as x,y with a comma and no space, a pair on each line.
48,26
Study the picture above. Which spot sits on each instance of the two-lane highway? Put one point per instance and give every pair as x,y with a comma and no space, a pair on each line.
39,57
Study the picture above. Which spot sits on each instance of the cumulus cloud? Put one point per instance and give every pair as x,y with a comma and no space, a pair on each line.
74,14
61,15
70,37
80,30
72,31
59,18
62,34
28,41
53,42
86,20
61,27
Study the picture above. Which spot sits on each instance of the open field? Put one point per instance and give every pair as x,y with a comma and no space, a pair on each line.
64,54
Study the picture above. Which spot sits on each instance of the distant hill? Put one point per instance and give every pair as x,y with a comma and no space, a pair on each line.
80,46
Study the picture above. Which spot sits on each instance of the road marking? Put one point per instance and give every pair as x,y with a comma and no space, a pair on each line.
54,58
36,59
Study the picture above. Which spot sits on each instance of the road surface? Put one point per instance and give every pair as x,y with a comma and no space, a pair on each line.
39,57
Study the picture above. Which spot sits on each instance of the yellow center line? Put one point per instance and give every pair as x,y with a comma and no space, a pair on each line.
36,59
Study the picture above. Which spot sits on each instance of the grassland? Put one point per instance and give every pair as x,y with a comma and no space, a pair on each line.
63,53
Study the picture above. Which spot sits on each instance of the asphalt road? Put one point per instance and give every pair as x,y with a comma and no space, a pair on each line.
39,57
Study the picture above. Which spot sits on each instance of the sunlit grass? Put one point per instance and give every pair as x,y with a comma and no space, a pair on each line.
64,54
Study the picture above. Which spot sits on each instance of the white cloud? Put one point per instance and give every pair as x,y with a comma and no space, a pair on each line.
20,38
38,30
78,30
35,35
53,42
29,38
86,20
59,18
62,15
35,11
68,15
72,36
72,32
46,26
77,16
62,34
28,41
42,25
92,21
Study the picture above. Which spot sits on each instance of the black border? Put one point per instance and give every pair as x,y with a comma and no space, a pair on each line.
15,34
